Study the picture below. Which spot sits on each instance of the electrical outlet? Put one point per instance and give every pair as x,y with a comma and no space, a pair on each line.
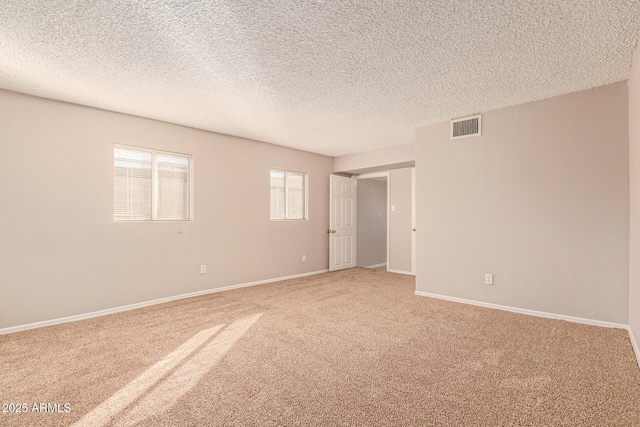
488,279
203,269
304,258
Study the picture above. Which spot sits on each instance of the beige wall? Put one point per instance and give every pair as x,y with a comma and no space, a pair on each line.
634,184
372,222
398,156
540,200
63,255
400,220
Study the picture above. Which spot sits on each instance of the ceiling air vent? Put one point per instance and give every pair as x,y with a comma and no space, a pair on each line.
466,127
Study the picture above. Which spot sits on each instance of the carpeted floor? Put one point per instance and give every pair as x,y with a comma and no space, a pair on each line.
349,348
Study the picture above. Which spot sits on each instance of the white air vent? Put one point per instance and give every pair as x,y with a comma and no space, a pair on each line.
466,127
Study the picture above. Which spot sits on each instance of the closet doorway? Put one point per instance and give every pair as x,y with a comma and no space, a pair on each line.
372,220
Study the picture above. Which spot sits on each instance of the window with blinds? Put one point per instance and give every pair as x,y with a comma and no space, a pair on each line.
288,194
150,185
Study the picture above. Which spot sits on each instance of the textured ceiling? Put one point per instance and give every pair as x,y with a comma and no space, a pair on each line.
332,77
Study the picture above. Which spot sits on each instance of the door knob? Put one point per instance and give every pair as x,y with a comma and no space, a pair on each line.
413,229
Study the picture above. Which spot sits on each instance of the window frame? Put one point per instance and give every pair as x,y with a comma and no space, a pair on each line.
286,199
154,185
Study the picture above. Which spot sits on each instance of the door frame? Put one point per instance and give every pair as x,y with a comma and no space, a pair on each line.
414,239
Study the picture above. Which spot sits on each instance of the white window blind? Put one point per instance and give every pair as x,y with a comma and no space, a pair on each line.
173,186
277,194
288,194
150,185
132,184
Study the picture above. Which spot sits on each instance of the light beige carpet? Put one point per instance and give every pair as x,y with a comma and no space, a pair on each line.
349,348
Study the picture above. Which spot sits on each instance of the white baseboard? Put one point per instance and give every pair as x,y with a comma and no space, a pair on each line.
529,312
634,344
148,303
408,273
376,265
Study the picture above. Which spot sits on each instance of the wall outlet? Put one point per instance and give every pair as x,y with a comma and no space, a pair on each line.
488,279
304,258
203,269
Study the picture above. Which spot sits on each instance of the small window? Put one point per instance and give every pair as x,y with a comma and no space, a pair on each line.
288,194
150,185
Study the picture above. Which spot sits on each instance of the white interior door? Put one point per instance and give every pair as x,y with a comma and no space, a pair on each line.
342,223
413,221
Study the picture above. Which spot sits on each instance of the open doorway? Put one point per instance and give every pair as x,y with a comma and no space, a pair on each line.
372,220
377,228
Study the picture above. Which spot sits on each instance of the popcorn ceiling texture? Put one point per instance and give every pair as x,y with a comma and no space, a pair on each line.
332,77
